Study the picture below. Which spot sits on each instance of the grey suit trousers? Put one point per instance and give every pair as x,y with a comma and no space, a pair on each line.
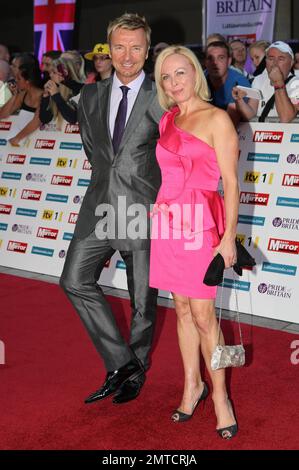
84,263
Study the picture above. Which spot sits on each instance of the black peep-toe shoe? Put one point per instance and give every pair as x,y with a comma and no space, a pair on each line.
180,417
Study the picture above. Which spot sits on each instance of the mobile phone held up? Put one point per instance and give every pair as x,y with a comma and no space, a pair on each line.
251,92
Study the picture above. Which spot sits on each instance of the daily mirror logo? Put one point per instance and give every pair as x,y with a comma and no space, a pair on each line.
73,218
259,199
72,129
31,194
17,247
283,246
274,137
5,125
44,144
86,165
5,209
16,159
62,180
290,180
46,232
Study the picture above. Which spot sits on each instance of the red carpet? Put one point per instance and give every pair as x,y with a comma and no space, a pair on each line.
51,366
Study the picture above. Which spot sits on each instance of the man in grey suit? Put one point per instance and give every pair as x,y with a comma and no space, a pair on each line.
118,120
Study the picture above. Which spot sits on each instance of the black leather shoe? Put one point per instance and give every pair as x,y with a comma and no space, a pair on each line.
131,370
129,390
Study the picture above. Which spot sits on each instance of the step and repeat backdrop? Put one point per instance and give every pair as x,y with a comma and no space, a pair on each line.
43,182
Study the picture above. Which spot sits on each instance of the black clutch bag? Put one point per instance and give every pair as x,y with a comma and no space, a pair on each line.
214,274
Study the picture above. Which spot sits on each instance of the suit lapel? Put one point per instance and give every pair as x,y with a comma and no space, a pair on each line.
104,94
140,106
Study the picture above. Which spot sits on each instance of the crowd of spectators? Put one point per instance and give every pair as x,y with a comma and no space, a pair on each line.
49,92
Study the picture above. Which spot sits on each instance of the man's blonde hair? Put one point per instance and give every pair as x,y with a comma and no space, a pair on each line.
130,21
201,87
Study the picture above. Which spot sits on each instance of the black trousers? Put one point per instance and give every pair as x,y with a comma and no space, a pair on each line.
84,263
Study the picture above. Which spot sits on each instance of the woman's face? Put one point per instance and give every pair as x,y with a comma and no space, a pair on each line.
257,54
102,63
178,78
22,84
15,64
55,75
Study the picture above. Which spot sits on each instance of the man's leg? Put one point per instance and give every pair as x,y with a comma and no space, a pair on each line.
143,303
84,263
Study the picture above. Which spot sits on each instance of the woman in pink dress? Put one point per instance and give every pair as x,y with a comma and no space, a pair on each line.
190,221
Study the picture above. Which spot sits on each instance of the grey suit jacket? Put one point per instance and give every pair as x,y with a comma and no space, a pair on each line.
133,173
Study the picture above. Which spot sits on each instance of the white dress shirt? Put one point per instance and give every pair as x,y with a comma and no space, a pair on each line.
116,96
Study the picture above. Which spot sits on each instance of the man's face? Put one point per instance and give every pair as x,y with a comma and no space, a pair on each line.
282,60
239,52
46,64
128,49
217,62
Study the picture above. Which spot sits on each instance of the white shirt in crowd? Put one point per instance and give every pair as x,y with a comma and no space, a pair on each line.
262,82
116,96
5,93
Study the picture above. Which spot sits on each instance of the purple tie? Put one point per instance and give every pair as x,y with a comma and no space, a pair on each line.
120,121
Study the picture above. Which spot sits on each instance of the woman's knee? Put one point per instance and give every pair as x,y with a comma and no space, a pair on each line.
182,309
204,320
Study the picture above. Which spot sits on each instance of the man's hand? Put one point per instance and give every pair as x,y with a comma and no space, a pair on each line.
276,76
238,94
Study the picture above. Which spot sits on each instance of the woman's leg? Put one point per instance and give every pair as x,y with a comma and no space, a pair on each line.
203,312
189,343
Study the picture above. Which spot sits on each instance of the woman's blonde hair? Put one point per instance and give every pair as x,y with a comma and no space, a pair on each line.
201,87
259,45
77,64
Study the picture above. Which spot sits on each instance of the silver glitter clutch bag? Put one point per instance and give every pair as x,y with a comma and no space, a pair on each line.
228,356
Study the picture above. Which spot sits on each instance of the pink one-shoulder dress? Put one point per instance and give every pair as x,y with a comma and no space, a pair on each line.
188,216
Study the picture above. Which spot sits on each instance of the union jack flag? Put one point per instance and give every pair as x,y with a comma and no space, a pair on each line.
53,25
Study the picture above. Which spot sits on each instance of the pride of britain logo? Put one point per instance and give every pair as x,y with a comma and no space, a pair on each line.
276,290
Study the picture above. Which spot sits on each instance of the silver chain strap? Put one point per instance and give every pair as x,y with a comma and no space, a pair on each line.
237,308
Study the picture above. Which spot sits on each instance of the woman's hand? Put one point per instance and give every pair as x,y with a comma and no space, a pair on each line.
51,88
13,87
14,142
227,249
